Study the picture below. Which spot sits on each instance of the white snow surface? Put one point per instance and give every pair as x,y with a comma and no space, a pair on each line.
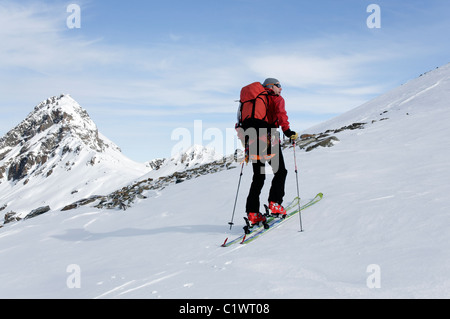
385,203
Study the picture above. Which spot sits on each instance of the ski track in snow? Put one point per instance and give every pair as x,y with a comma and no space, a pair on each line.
150,283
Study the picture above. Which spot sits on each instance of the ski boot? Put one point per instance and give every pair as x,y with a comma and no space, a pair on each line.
276,210
255,219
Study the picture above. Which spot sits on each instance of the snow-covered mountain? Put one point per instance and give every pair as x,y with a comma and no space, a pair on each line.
55,154
57,159
381,231
193,156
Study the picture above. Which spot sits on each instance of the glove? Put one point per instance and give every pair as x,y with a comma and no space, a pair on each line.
293,136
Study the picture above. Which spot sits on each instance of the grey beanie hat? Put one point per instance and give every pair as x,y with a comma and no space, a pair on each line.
270,81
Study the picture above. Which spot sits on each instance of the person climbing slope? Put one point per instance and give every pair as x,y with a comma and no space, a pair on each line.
262,112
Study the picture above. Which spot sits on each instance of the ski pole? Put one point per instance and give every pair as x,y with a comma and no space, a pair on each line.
237,193
298,190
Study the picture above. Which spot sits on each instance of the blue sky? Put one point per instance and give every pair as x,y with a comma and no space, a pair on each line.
143,69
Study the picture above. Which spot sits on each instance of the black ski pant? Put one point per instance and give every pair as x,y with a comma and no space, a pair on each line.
277,189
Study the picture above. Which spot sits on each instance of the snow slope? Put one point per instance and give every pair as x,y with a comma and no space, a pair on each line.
386,204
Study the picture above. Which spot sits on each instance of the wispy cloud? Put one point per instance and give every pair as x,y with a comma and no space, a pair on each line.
35,37
36,43
195,77
176,78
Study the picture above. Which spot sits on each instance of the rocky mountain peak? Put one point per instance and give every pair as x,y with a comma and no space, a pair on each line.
56,126
55,116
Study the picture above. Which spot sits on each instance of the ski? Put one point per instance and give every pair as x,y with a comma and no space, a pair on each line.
292,205
272,222
275,223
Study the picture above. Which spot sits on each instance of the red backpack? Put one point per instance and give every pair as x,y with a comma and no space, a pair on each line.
253,104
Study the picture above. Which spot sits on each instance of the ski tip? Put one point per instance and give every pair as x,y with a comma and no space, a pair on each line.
225,243
243,239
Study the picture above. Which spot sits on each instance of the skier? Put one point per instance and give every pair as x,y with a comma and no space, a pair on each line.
268,140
